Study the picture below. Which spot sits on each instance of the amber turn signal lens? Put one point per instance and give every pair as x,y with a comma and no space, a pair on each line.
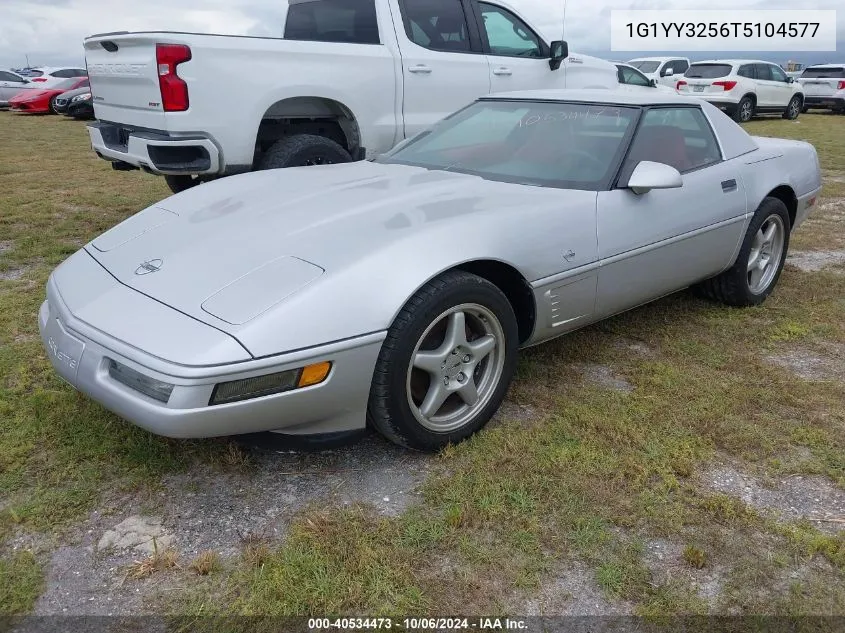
314,374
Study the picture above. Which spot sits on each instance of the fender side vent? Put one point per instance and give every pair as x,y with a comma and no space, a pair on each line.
111,47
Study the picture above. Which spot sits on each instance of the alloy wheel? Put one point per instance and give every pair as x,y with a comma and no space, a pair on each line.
455,367
766,252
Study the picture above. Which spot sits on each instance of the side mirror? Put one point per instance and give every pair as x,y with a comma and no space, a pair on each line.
648,175
668,72
559,52
652,83
790,80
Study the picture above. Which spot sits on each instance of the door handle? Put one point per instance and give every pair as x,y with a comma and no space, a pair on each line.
503,71
420,69
728,185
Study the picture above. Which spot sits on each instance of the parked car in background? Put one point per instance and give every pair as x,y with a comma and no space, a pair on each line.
41,101
50,76
62,101
350,79
631,79
824,87
11,85
81,107
520,218
664,70
744,87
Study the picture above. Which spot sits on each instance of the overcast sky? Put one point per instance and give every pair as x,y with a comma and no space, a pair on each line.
51,31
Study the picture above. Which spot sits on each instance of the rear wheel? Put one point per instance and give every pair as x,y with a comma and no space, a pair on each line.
744,110
303,150
757,268
793,109
446,363
53,105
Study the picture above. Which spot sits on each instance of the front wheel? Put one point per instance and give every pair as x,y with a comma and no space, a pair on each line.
793,109
178,184
446,363
757,268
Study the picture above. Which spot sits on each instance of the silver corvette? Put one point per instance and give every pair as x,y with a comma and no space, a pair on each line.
398,291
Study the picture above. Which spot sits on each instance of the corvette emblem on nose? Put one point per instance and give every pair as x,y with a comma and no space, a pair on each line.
149,266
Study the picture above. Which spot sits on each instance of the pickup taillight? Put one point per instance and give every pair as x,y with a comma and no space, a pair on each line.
174,90
840,85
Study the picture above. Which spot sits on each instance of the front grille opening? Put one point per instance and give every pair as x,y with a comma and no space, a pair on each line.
137,381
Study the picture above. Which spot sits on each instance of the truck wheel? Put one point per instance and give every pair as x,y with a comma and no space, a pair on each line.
179,184
303,150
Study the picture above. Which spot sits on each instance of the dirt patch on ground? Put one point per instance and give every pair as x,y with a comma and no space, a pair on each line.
6,246
13,274
792,497
665,559
212,510
570,591
814,261
825,363
603,376
832,204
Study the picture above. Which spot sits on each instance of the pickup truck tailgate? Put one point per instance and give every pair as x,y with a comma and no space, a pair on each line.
124,79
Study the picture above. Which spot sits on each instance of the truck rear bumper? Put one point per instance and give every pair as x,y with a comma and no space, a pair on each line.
154,150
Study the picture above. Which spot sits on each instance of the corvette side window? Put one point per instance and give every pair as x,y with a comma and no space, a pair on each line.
679,137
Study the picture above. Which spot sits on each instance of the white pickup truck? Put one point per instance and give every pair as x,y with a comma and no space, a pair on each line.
346,80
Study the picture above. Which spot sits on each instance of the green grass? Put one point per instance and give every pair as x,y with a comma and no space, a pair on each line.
20,583
594,476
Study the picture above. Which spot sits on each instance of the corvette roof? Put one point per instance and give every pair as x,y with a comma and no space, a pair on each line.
734,140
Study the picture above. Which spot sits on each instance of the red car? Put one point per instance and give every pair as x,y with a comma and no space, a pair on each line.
41,101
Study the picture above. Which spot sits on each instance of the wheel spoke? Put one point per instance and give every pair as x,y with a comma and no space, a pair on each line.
434,399
481,347
430,362
456,333
754,278
752,261
469,392
770,233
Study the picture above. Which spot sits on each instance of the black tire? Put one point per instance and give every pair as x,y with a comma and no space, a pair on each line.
793,108
804,109
53,106
389,411
744,110
731,287
178,184
301,150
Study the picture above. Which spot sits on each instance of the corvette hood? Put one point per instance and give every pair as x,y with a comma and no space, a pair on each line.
229,250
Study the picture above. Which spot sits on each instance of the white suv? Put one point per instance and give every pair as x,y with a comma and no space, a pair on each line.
744,87
664,70
824,87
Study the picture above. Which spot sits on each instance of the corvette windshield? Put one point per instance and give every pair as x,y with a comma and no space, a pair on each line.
567,145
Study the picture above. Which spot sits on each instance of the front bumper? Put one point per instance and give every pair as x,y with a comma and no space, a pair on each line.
81,353
154,150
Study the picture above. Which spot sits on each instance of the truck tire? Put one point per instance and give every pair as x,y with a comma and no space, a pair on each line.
179,184
301,150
